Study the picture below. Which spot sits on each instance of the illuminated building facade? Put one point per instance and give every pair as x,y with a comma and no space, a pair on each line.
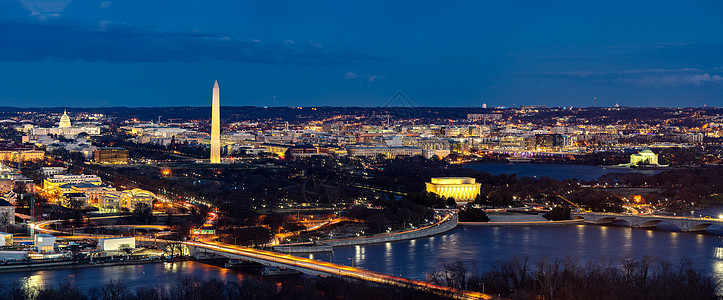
549,142
74,200
64,120
6,185
116,200
93,192
111,155
65,128
12,151
462,189
22,155
389,152
512,141
10,178
277,149
52,185
644,157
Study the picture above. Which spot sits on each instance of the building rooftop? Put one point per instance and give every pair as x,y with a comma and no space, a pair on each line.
83,185
111,148
453,180
4,202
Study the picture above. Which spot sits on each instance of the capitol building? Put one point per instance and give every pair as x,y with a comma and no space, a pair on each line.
65,128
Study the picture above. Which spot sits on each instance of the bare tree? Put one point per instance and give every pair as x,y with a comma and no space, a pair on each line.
5,220
547,275
452,274
176,248
114,290
515,271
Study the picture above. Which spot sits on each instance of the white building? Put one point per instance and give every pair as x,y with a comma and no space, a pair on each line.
42,140
6,238
389,152
85,148
64,179
45,242
157,131
644,157
116,244
439,153
64,128
47,171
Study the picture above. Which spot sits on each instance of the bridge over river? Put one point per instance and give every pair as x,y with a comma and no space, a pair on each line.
321,268
208,249
684,223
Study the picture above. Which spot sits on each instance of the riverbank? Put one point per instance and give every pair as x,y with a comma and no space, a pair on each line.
529,223
510,216
447,223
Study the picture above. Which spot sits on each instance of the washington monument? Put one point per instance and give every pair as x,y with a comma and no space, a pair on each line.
215,127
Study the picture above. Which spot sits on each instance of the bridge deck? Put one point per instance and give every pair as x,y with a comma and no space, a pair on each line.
315,267
684,223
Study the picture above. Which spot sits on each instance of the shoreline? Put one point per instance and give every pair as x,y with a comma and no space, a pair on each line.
522,224
328,245
61,265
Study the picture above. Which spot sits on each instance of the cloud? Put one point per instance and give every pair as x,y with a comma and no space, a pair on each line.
646,77
105,4
365,78
673,80
372,78
586,74
45,8
37,41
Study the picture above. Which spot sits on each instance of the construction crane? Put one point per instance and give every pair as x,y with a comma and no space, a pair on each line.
571,203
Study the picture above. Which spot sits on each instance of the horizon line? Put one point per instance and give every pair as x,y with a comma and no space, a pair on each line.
330,106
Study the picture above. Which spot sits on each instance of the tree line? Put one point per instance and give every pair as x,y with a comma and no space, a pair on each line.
572,278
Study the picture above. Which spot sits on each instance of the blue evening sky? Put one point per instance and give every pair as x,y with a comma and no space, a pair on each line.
360,53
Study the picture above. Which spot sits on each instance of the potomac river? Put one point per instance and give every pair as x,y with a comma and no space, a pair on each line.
556,171
476,246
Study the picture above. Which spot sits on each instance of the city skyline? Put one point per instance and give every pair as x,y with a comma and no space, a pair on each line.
106,53
364,150
453,187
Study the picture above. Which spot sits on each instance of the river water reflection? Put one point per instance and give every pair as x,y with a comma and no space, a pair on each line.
476,246
157,274
483,246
